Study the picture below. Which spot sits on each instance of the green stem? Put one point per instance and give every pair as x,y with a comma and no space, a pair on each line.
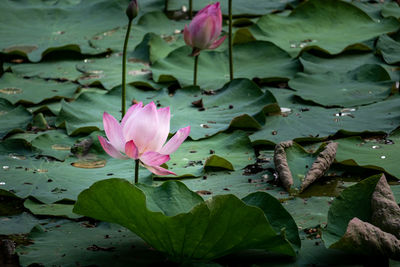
190,9
166,6
136,171
196,61
123,100
230,42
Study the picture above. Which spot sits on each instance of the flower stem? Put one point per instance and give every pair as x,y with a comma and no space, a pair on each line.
190,9
166,6
196,61
123,98
230,42
136,171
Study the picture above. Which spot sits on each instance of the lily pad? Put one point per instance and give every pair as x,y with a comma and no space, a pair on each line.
239,7
389,49
365,220
328,25
17,224
72,24
391,9
370,153
167,227
364,85
52,69
228,151
298,168
33,91
343,63
152,22
107,72
316,123
268,63
56,209
236,106
12,119
85,244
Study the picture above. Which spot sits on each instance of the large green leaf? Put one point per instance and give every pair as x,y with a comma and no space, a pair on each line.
389,48
371,154
329,25
68,25
233,106
207,230
314,123
268,63
364,85
391,9
33,91
12,118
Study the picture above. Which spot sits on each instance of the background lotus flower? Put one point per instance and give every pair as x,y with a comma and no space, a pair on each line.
204,30
141,136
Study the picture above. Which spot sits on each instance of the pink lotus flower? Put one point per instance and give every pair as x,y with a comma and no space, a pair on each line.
204,30
141,135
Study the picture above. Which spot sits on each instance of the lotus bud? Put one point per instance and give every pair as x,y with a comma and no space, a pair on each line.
132,10
204,30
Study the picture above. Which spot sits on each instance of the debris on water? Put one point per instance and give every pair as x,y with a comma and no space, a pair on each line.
212,151
274,132
192,151
230,106
11,91
16,156
2,183
204,125
342,114
383,157
6,168
376,147
198,103
3,112
61,147
204,192
89,164
41,170
205,177
97,248
304,109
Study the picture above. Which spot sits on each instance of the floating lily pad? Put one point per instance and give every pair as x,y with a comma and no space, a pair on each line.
33,91
230,152
389,48
391,9
234,106
22,175
107,71
167,226
316,123
85,244
54,69
343,63
371,154
365,220
268,63
152,22
70,25
61,210
364,85
239,7
17,224
12,119
328,25
298,168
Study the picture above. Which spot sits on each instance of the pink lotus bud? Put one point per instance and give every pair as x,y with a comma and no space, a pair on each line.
141,135
204,30
132,10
